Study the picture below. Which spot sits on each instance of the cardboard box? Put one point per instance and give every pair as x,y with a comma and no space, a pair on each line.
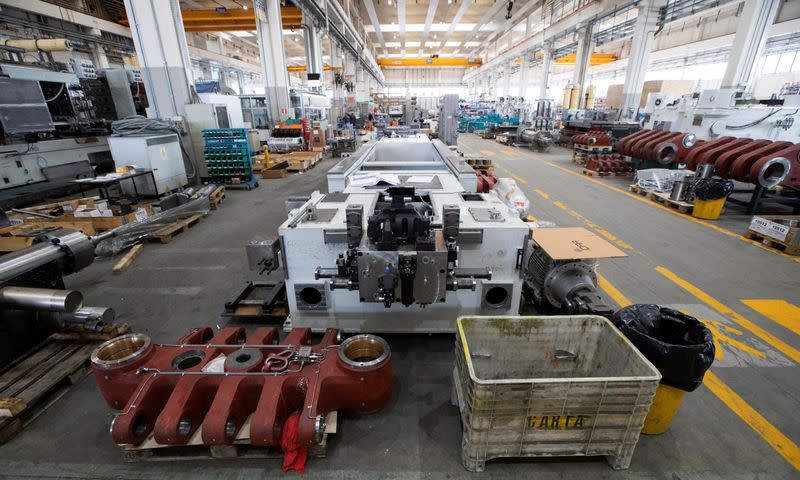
574,243
273,173
677,87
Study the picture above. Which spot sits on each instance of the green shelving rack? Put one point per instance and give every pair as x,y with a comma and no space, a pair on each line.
228,157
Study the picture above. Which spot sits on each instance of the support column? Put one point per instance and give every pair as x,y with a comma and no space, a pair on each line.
507,79
582,59
641,44
523,74
157,30
547,63
748,44
99,57
337,107
270,46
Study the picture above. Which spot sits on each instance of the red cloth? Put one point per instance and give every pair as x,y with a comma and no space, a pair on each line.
294,454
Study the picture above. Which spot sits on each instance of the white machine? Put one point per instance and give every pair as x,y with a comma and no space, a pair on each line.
200,116
161,153
403,243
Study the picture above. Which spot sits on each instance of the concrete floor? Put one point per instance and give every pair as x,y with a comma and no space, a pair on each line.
755,381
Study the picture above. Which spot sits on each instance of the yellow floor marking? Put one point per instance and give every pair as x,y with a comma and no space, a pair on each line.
513,154
612,291
531,218
519,179
673,212
774,437
721,337
715,304
488,153
560,205
779,311
541,193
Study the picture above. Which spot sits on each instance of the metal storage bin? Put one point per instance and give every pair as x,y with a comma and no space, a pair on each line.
549,386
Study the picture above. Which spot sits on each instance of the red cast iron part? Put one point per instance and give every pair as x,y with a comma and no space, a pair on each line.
648,148
623,146
674,149
485,181
163,389
780,168
698,154
640,148
631,148
724,162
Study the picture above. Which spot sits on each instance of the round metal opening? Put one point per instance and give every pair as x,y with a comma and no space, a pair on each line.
243,359
188,359
666,154
310,296
496,296
121,350
185,426
689,140
363,352
139,426
773,172
230,427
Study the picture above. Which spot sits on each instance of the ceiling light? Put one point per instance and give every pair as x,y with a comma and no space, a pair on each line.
245,7
390,2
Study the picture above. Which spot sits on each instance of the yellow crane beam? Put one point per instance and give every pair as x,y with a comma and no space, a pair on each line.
429,62
232,19
596,59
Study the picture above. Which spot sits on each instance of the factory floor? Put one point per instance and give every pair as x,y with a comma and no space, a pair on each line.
741,424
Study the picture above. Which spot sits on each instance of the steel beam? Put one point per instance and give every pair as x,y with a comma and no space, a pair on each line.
748,43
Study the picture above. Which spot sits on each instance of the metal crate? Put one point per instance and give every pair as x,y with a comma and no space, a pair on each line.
549,386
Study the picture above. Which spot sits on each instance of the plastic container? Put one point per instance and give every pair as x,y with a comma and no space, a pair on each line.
665,405
549,386
708,209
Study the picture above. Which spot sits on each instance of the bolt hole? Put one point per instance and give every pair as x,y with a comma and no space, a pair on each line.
188,359
244,357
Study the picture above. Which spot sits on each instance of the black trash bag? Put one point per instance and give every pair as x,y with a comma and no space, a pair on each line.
680,346
712,188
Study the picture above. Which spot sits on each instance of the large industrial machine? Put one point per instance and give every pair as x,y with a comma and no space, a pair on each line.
53,124
403,243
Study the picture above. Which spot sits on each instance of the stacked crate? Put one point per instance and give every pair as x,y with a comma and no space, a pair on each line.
228,157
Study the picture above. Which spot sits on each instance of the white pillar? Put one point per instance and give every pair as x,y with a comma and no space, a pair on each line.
99,57
507,78
641,44
523,74
270,45
157,30
337,108
748,44
583,58
547,62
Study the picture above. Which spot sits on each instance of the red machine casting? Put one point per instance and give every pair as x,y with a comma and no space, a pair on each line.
219,381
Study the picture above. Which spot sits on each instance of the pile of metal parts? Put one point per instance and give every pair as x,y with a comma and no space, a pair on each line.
228,382
359,257
594,138
577,122
539,140
761,162
608,162
33,300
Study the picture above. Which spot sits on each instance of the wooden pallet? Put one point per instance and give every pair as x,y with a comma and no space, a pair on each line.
167,233
663,199
34,382
216,197
150,450
594,173
773,243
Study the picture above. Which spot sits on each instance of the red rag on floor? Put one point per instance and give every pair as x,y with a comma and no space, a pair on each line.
294,455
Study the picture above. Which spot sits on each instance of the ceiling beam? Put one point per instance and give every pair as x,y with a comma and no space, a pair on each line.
428,21
233,19
520,16
486,18
462,9
429,62
373,17
401,21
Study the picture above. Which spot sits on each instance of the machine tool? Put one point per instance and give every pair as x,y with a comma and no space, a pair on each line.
403,243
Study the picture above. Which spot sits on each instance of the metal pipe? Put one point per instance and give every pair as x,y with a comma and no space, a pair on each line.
23,261
105,315
45,299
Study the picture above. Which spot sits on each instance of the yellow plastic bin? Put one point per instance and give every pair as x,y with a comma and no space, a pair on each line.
708,209
666,403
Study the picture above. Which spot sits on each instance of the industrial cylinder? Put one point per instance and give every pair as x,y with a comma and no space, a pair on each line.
574,97
103,315
42,45
567,96
44,299
588,99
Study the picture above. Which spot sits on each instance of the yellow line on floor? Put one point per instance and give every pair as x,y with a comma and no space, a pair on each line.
774,437
673,212
612,291
488,153
519,179
541,193
777,440
715,304
779,311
